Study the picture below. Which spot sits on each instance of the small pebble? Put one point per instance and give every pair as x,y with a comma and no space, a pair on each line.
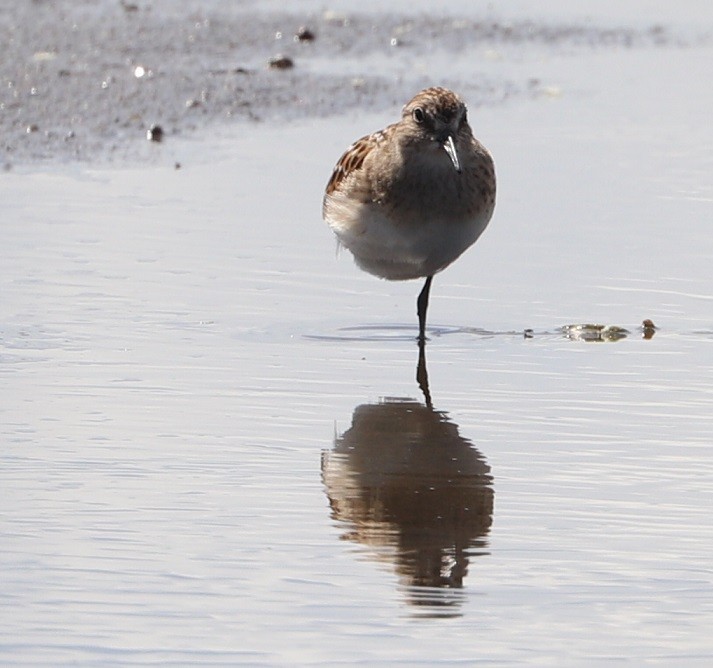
154,133
304,35
648,329
280,63
32,127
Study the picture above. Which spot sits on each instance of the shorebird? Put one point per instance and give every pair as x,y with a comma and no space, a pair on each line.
410,199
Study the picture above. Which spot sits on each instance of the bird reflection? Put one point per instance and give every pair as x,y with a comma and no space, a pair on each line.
403,482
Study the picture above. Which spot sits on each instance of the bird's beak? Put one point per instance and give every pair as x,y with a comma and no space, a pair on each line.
450,147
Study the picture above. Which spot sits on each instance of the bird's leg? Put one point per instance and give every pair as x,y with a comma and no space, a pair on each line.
422,307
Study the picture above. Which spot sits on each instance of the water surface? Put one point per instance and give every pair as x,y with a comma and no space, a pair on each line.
215,449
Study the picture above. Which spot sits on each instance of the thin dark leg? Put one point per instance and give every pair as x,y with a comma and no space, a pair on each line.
422,373
422,307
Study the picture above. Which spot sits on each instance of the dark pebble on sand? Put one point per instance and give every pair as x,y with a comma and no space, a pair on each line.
304,35
154,133
280,63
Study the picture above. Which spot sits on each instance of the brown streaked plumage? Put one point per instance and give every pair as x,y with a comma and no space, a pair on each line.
410,199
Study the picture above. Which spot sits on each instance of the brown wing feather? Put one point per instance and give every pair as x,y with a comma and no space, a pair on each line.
352,160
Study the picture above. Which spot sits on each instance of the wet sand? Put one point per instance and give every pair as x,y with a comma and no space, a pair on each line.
86,80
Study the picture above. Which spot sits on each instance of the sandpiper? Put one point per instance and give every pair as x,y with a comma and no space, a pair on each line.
410,199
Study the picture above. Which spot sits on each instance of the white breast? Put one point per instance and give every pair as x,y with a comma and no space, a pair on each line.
414,246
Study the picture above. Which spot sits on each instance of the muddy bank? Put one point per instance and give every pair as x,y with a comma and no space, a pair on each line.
86,80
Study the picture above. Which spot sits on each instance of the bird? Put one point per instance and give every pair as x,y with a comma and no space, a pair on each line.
408,200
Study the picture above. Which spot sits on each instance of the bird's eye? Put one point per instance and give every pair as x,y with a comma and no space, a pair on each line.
418,115
464,118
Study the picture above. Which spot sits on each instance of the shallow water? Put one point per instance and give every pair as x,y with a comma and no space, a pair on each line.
215,448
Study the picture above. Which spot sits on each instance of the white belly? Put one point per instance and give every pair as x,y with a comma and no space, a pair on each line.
417,247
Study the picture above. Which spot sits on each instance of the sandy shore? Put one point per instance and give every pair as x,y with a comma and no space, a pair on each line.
84,80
